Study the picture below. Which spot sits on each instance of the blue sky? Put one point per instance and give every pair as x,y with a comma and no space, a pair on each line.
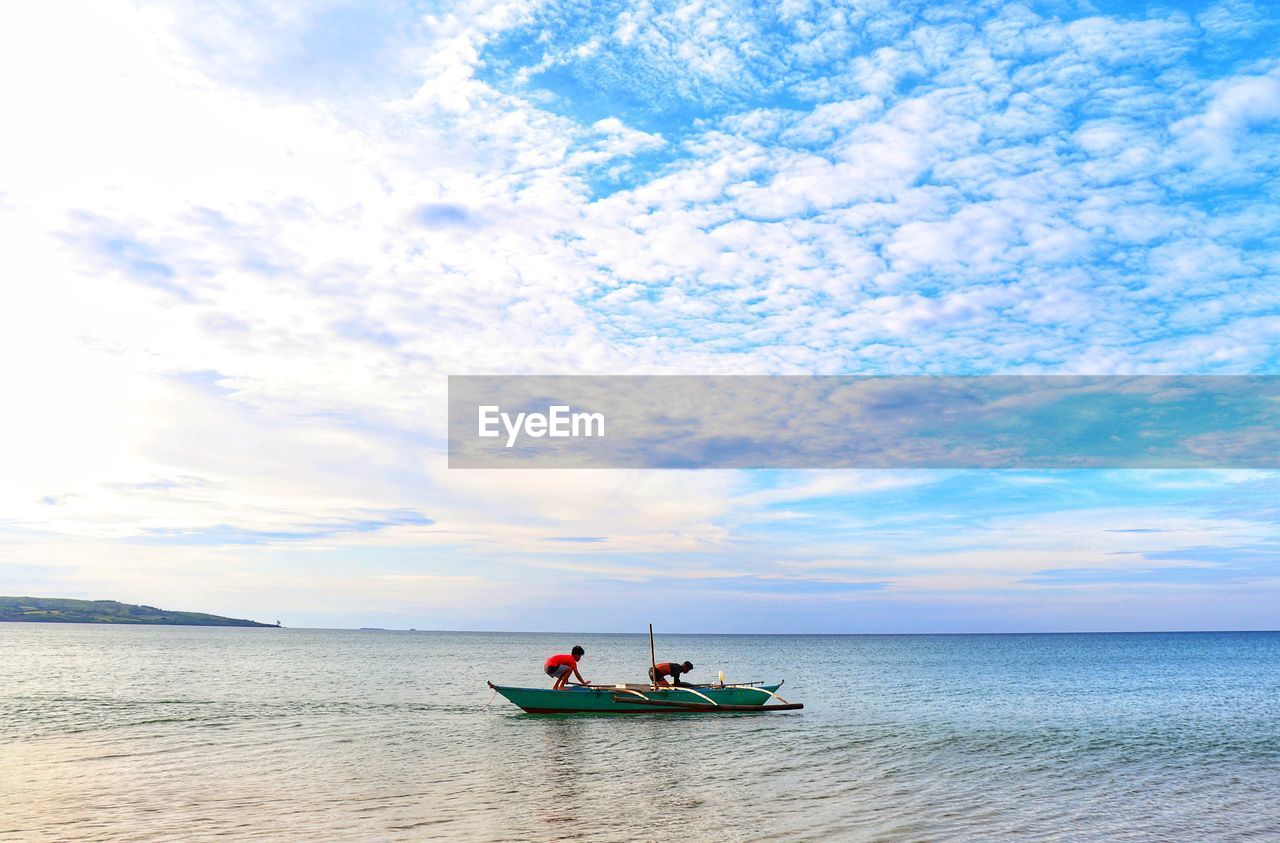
245,245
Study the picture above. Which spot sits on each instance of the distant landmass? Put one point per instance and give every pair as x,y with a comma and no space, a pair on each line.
61,610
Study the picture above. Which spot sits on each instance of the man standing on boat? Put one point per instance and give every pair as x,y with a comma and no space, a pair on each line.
559,667
659,671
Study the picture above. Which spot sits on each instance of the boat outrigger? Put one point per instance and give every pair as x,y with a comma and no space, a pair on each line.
646,699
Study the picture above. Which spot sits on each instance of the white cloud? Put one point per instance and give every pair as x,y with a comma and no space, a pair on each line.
1238,105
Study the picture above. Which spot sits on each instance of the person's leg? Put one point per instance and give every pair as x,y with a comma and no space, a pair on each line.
562,676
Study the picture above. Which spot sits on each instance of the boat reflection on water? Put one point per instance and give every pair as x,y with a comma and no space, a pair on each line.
563,742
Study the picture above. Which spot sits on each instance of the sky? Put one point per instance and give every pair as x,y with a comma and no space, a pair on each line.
243,245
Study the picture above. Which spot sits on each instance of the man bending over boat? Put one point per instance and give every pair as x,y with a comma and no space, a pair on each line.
559,667
661,670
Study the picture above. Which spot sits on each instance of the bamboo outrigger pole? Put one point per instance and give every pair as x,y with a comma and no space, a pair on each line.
653,659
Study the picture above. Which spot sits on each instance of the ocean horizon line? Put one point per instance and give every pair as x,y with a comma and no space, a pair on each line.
660,633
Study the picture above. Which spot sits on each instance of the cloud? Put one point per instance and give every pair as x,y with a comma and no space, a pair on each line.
1225,133
227,534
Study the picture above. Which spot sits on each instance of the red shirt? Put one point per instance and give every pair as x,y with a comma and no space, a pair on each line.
563,658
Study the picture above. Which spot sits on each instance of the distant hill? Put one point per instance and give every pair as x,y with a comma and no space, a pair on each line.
61,610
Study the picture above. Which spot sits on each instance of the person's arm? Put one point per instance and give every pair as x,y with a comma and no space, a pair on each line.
579,675
675,676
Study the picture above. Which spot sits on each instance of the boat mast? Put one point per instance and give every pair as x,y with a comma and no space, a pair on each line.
653,659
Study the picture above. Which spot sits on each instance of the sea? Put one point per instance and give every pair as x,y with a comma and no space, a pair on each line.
189,733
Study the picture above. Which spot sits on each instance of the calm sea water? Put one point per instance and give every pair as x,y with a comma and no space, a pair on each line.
146,733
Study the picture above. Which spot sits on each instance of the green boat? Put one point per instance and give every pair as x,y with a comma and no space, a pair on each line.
646,699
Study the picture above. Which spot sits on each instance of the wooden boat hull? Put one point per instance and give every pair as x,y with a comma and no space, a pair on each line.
642,699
